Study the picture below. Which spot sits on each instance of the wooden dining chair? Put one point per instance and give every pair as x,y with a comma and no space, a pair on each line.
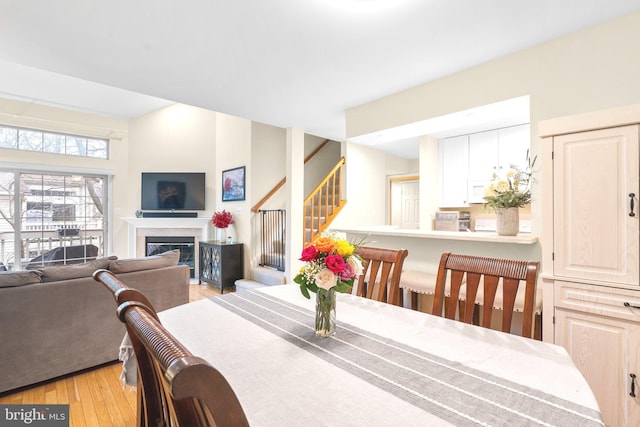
123,293
466,272
179,388
174,387
382,269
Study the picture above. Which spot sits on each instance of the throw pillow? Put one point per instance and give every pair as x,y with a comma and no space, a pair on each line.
74,271
165,259
10,279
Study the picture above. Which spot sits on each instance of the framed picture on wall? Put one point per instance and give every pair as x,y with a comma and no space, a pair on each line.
233,183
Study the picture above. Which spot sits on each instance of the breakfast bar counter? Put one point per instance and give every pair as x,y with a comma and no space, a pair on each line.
469,236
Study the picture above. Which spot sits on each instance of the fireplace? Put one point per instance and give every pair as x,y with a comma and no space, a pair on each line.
140,228
186,244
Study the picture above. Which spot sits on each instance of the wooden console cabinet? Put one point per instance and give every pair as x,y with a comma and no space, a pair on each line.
591,251
221,264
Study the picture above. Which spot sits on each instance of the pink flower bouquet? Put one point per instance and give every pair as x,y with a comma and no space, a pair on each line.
330,264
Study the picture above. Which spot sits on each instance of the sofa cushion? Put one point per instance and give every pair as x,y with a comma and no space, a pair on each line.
74,271
19,278
165,259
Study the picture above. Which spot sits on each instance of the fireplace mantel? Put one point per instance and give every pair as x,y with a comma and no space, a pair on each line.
139,228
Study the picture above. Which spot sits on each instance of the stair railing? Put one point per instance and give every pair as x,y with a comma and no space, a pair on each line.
280,184
323,204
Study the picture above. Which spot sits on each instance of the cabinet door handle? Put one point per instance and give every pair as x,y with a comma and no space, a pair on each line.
633,385
629,305
631,197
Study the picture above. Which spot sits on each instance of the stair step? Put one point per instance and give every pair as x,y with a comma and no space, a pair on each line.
246,284
267,276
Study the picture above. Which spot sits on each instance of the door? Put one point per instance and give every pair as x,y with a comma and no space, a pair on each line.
596,205
410,196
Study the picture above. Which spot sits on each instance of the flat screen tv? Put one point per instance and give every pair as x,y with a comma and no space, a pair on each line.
170,191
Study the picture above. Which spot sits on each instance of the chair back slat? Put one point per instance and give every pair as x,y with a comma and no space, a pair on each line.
385,277
473,282
468,271
382,269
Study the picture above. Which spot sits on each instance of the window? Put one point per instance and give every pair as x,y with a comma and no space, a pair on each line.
50,142
50,218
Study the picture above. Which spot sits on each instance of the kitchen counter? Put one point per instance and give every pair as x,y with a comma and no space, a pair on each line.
488,237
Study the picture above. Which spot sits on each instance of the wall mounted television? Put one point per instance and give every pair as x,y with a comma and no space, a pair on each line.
168,191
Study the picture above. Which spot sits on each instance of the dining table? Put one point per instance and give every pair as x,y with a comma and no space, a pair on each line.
385,366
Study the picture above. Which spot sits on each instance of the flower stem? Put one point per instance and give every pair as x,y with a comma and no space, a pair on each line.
326,312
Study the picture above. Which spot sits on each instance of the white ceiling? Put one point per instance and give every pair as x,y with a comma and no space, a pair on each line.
288,63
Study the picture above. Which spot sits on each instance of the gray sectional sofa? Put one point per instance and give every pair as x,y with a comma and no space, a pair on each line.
59,320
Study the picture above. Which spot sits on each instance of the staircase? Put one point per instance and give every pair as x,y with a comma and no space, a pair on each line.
321,206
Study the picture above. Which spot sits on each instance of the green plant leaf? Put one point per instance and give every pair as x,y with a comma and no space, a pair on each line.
342,287
304,291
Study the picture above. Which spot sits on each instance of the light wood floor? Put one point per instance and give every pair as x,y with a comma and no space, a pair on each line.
95,397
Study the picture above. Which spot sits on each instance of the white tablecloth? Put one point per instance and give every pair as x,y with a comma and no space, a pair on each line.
386,366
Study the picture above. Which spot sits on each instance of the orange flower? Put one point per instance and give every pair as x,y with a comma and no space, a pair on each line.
324,244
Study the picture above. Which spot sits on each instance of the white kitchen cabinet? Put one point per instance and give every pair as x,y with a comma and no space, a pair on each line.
498,150
468,162
590,251
483,152
514,143
454,166
495,151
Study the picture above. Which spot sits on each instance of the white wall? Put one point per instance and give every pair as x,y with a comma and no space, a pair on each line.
584,71
366,179
588,70
268,148
176,138
21,114
232,150
316,169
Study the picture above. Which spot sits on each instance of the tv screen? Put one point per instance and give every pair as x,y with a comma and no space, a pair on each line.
173,191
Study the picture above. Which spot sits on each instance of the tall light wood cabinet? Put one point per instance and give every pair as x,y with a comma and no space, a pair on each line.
595,175
591,252
603,338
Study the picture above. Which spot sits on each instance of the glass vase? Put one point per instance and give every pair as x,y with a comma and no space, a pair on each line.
325,312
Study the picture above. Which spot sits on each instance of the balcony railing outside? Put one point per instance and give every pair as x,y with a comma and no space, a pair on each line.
34,243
